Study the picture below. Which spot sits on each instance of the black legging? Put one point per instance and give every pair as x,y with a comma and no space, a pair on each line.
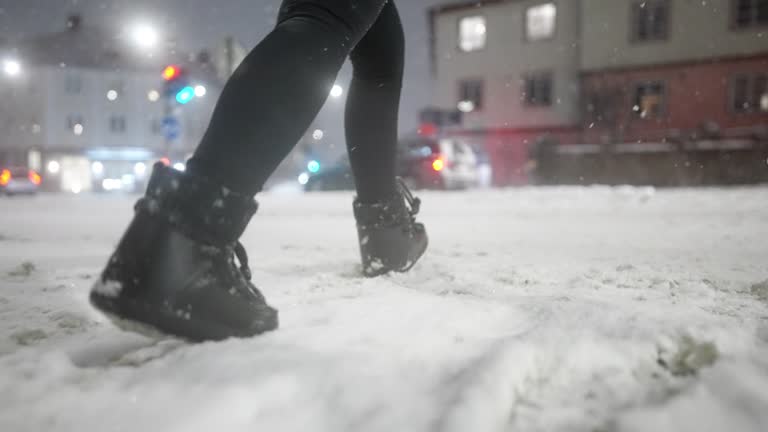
277,91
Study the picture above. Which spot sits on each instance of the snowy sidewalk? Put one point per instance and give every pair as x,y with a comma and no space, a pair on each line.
554,309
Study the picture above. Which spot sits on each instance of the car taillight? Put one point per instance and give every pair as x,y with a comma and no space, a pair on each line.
438,165
35,178
5,177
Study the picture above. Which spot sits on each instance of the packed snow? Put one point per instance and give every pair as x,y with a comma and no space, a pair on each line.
589,309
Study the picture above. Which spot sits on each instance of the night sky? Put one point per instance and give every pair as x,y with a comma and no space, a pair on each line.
203,23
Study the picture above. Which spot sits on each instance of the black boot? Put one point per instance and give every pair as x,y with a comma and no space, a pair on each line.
390,238
174,270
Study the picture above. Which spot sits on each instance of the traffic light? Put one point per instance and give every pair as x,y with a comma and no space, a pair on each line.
313,166
176,86
185,95
171,73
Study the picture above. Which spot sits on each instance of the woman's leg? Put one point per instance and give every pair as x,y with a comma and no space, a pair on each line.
373,105
278,90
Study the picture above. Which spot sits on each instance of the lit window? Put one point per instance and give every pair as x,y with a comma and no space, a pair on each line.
472,33
649,100
540,22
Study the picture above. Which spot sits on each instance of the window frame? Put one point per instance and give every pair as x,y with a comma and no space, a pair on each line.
73,120
664,105
634,22
751,78
535,75
459,33
460,90
753,23
553,36
118,120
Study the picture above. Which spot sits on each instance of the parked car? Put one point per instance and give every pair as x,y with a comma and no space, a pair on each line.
337,177
18,181
438,163
423,162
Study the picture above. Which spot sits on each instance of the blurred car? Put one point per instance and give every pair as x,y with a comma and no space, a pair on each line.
337,177
19,181
423,162
438,163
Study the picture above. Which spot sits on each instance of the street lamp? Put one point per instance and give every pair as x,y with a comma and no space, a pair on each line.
337,91
145,36
11,67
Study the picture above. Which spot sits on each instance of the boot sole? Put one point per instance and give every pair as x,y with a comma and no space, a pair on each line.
406,269
152,322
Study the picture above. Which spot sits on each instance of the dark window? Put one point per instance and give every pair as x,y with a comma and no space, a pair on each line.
73,120
649,100
749,13
471,95
537,90
650,20
156,126
603,106
750,93
117,124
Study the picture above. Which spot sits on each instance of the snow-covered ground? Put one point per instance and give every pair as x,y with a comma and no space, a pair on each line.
556,309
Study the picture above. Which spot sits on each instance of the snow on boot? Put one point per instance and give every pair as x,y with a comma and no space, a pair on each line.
390,238
174,270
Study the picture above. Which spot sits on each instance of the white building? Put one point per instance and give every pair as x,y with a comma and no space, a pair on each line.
87,107
512,66
508,63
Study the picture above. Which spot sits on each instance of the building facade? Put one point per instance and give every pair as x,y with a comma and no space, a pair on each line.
672,71
601,73
88,110
512,68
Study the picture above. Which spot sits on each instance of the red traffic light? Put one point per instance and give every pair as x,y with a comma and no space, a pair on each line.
171,72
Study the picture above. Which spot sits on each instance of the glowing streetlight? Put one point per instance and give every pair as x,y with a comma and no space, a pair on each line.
97,168
11,67
318,134
54,167
337,91
200,91
140,169
153,95
145,36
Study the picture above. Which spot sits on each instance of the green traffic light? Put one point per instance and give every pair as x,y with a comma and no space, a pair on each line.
313,166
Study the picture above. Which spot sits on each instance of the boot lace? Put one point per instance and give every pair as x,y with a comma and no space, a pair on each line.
414,204
242,258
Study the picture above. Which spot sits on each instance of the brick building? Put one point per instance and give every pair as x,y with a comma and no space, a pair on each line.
674,70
